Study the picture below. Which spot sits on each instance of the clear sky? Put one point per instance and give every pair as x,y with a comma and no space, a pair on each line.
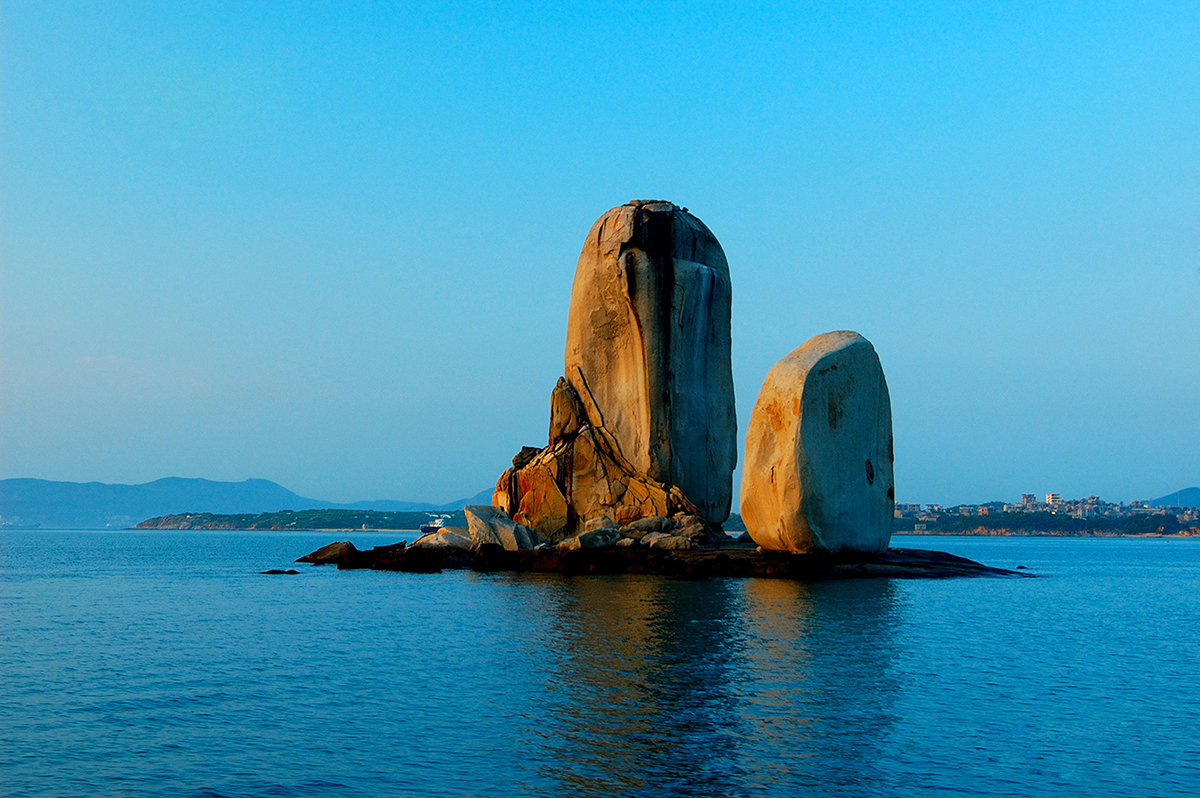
331,244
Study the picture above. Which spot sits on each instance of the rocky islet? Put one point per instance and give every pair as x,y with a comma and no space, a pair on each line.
637,472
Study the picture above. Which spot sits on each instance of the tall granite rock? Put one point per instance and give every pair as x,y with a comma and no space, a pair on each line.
643,423
818,468
648,348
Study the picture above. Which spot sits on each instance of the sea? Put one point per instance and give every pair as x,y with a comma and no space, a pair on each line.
164,664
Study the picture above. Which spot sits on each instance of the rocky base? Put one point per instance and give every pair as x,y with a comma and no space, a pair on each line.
580,477
733,559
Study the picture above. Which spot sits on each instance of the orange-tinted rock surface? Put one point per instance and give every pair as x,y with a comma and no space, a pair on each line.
818,470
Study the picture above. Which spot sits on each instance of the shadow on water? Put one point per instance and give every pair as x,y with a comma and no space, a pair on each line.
726,687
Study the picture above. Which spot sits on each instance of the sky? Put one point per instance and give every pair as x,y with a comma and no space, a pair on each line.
331,244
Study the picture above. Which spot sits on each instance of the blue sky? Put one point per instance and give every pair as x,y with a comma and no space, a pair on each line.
332,246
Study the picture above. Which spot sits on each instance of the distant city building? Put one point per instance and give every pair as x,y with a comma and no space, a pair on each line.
1091,507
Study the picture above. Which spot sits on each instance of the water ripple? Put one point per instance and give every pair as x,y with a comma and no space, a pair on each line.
156,664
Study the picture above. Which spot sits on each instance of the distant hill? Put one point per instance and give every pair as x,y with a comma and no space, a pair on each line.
1188,497
98,505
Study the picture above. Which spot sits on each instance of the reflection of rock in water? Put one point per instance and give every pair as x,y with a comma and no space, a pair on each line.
666,687
819,694
642,688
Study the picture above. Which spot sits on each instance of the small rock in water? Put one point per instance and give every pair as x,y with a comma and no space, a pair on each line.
277,572
330,554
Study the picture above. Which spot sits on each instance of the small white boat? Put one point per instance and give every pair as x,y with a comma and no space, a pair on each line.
435,524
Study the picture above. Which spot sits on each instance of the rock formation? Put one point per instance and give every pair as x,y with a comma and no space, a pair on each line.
667,555
490,526
818,469
580,476
450,539
643,423
330,554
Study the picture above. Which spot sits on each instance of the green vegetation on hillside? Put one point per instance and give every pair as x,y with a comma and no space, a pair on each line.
299,519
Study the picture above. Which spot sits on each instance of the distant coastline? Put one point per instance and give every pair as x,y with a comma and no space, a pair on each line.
1024,525
1049,524
1191,532
33,503
298,520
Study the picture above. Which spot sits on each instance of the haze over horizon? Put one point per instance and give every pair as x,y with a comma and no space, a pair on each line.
334,248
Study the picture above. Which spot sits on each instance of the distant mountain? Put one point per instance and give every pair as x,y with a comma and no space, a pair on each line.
1188,497
97,505
483,497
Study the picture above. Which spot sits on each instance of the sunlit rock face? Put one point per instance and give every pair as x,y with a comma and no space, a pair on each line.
648,348
818,469
643,423
580,476
491,527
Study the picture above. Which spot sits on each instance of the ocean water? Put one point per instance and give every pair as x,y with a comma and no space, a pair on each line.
163,664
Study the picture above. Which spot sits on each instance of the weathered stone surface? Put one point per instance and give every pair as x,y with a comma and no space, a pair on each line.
446,539
658,540
490,526
603,522
653,523
818,469
526,455
329,554
542,506
592,539
579,478
566,414
648,353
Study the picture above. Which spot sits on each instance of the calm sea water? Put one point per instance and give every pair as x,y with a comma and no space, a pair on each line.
163,664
